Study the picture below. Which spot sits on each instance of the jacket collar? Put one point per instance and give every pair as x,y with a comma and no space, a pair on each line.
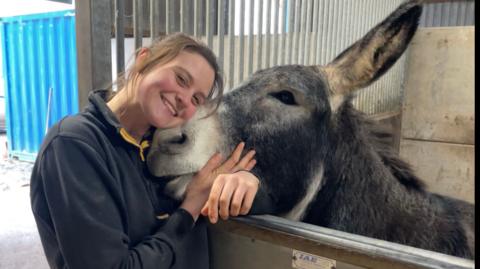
98,105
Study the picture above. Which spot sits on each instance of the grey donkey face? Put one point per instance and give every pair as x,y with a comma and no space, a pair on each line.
287,114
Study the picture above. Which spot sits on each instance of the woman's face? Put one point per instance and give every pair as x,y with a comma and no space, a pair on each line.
170,94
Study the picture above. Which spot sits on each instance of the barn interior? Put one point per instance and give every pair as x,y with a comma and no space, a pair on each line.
426,99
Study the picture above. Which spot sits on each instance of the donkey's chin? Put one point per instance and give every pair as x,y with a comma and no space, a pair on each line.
177,186
168,166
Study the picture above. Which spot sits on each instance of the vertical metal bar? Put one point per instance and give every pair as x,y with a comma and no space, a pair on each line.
138,23
321,32
329,43
296,34
259,35
438,12
470,16
220,33
283,33
276,38
314,33
453,13
182,16
290,30
241,35
195,19
267,35
93,33
120,35
231,42
303,26
443,14
348,25
208,23
154,10
338,27
460,14
168,19
431,17
250,39
308,33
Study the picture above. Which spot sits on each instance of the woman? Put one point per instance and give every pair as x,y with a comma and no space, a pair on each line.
91,196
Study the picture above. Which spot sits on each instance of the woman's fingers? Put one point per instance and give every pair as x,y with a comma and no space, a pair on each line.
251,164
212,164
243,163
214,197
237,200
224,203
248,201
232,161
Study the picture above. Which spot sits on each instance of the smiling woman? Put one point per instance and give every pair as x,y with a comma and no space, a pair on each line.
94,201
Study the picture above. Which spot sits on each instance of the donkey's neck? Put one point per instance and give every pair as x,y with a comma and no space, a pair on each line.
360,188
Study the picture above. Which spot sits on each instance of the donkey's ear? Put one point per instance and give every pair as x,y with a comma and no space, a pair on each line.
370,57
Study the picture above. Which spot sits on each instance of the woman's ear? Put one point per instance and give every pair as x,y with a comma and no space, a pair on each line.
142,55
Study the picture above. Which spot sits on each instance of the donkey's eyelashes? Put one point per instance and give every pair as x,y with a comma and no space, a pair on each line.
285,97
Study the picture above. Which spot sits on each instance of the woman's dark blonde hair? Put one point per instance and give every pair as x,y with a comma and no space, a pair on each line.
166,49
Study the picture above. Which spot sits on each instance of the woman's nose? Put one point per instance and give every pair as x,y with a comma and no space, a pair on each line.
185,107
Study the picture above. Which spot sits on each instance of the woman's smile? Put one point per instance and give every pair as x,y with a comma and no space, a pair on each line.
169,105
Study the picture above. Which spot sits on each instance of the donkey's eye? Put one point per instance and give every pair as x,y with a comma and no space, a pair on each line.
285,97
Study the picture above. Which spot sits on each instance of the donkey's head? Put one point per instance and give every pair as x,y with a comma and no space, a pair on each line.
287,113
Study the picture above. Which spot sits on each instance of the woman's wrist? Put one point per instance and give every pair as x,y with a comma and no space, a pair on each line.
192,206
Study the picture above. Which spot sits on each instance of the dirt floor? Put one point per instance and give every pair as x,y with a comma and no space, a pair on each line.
20,246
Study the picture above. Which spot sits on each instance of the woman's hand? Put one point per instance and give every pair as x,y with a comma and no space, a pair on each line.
231,195
198,190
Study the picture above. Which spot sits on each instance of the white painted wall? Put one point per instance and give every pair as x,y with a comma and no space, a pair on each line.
23,7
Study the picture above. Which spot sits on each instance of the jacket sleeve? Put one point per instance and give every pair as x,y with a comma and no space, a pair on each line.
84,215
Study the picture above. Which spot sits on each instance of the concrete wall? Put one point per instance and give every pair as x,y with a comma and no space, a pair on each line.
437,134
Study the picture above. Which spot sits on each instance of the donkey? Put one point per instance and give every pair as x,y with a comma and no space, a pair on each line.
321,161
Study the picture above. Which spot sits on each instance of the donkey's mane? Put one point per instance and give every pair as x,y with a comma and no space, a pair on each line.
380,137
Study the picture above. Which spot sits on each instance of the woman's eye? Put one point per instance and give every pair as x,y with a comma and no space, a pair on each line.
198,99
181,80
285,97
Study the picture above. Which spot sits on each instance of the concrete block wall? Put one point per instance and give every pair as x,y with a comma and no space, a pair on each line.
437,133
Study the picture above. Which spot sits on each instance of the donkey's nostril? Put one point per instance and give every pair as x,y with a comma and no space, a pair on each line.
179,139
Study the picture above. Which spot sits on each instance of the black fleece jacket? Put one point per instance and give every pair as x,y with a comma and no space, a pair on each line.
95,206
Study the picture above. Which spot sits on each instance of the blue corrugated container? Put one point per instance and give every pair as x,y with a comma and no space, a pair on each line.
40,72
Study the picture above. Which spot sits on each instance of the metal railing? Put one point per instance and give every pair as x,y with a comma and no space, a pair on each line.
340,246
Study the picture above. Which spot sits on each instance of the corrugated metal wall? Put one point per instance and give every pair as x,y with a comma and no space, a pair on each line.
40,72
455,13
257,34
